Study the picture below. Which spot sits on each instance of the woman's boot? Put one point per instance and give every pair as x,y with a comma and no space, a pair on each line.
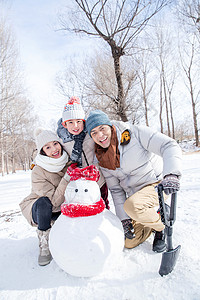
45,255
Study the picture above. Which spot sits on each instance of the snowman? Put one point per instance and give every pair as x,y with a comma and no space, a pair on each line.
86,237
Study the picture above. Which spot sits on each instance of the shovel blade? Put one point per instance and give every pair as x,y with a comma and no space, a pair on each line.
168,262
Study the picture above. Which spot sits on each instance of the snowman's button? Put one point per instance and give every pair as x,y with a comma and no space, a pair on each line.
76,190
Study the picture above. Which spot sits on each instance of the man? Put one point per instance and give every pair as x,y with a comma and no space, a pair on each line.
133,160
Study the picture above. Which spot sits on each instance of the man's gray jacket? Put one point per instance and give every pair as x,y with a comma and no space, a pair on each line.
146,159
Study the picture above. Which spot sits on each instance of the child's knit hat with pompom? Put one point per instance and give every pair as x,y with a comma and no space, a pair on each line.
73,110
44,136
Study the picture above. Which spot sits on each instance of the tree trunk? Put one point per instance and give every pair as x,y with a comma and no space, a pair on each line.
145,101
171,114
2,154
166,106
196,132
116,54
161,100
13,164
2,162
25,164
13,161
195,126
6,163
193,110
146,115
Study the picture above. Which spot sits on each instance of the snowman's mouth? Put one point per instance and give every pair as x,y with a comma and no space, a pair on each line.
82,210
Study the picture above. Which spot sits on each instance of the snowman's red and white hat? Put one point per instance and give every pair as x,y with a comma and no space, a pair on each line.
88,173
74,210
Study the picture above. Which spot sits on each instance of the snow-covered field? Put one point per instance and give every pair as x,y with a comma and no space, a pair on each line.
135,276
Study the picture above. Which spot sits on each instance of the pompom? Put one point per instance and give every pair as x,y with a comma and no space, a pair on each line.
38,131
73,100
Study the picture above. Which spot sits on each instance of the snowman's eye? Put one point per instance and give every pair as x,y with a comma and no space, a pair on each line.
76,190
86,190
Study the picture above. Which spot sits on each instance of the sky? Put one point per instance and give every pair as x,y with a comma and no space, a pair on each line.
43,51
133,277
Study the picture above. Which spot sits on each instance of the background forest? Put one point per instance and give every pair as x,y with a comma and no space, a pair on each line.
141,65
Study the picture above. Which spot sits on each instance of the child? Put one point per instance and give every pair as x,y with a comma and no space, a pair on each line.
76,142
42,207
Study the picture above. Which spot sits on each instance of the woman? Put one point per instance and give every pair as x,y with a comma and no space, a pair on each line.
76,142
49,181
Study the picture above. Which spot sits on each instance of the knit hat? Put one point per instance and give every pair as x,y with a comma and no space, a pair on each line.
44,136
96,118
88,173
73,110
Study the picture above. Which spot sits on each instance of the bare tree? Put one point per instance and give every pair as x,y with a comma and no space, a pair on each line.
94,81
190,64
7,52
189,14
14,106
146,79
189,17
163,52
184,129
165,60
118,23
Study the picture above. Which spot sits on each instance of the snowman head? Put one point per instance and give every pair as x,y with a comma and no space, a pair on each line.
82,195
82,191
83,187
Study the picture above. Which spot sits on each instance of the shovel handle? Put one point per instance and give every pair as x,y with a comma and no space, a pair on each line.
173,208
172,216
161,204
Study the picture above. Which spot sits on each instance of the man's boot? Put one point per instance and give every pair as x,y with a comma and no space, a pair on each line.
44,257
159,241
159,238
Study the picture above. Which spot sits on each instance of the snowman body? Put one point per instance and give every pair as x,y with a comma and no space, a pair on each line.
86,237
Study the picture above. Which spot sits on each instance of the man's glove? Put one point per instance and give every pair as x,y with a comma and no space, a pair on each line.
128,229
171,184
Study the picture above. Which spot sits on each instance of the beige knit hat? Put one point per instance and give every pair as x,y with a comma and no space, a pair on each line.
44,136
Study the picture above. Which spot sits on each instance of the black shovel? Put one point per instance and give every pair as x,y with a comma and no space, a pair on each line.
169,257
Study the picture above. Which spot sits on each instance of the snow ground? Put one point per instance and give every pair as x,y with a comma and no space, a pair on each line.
135,276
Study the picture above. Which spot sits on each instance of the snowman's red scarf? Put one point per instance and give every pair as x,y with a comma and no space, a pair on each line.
81,210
